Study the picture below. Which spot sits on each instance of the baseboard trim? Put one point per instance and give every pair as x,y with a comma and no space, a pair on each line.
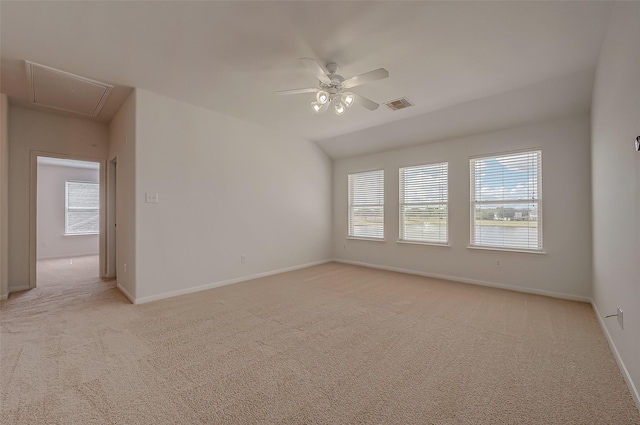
616,355
185,291
19,288
4,297
471,281
126,293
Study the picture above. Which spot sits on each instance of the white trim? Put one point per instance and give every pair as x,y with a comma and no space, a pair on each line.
623,369
362,238
493,248
18,289
221,283
473,281
126,293
4,297
446,245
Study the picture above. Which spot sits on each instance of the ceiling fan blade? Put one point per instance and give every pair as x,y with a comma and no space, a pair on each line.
369,104
296,91
367,77
316,69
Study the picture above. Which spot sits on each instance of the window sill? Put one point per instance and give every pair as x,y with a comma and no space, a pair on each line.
355,238
491,248
81,234
446,245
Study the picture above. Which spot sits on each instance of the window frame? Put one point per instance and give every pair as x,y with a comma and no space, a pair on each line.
350,205
401,204
66,208
538,200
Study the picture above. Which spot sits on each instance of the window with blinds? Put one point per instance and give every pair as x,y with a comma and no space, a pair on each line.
366,205
505,201
82,208
424,203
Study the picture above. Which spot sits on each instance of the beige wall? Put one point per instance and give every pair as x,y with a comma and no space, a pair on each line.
122,146
4,196
52,241
565,269
226,188
616,186
55,134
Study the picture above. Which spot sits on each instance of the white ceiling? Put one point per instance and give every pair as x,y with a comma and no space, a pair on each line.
467,66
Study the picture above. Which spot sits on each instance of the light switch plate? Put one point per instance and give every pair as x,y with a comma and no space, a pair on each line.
151,198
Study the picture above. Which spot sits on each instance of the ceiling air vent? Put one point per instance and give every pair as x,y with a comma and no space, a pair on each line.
397,104
68,92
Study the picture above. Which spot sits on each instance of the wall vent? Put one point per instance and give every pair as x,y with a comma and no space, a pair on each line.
398,104
68,92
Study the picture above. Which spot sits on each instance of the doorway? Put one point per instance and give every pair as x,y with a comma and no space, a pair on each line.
67,220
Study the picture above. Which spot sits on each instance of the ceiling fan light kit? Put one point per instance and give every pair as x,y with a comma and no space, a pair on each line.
332,87
322,97
348,99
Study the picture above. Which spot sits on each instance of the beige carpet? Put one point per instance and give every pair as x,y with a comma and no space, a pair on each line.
331,344
62,271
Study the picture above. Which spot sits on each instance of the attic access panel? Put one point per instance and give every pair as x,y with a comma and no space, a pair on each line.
65,91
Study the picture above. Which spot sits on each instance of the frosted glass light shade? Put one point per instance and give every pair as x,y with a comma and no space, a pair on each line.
348,99
322,97
316,107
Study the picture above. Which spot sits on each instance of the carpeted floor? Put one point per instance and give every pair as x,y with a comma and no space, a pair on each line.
331,344
62,271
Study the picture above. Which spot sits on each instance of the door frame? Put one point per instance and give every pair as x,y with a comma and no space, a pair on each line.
33,210
111,236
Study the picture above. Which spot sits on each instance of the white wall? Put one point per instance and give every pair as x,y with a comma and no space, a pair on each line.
52,242
564,270
122,146
55,134
4,196
616,185
226,188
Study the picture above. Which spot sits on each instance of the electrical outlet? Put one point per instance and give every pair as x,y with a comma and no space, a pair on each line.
619,314
498,263
243,258
151,198
125,267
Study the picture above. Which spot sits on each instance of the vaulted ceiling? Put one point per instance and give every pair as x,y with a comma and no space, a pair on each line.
467,66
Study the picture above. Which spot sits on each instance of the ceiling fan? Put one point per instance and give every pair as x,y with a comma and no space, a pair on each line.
332,88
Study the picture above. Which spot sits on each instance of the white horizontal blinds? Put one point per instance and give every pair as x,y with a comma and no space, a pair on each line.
423,203
82,208
505,201
366,204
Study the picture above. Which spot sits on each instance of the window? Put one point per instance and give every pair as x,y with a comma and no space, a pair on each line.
505,201
82,206
423,203
366,205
